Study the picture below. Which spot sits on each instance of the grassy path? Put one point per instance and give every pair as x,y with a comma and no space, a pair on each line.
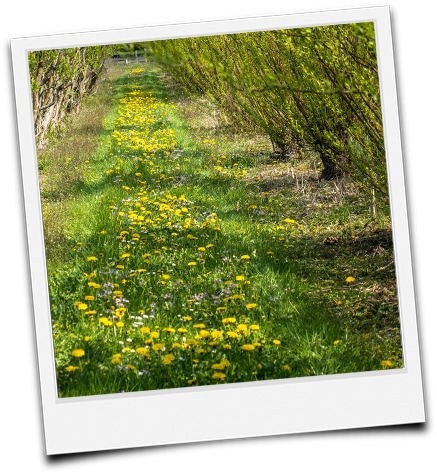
182,268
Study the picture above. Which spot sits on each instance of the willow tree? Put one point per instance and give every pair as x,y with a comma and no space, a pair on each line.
59,79
313,88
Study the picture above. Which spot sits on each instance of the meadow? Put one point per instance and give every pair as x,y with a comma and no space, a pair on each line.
180,254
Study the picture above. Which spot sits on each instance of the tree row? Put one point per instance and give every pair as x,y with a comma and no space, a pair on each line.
309,89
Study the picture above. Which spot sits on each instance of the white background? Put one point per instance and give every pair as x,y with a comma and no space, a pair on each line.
377,451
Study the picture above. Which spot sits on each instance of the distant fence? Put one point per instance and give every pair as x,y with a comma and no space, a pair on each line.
128,57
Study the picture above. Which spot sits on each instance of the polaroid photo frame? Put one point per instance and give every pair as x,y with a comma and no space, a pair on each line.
208,413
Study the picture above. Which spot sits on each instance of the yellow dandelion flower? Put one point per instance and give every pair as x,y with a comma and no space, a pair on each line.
219,376
119,312
71,368
157,346
105,321
91,258
248,347
167,359
276,342
386,363
232,334
229,320
192,264
250,305
245,257
78,353
116,359
350,279
222,365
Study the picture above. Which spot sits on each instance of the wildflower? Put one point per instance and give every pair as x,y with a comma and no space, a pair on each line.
216,333
105,321
71,368
89,297
78,353
91,258
166,276
232,334
169,330
276,342
337,342
239,278
199,325
154,334
290,221
192,341
250,305
142,351
254,327
248,347
86,338
192,263
219,376
222,365
245,257
386,363
145,330
116,359
182,330
205,333
350,279
125,256
82,306
119,324
158,346
119,312
168,359
229,320
94,285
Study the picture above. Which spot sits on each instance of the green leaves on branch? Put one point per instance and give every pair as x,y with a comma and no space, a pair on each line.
59,79
315,88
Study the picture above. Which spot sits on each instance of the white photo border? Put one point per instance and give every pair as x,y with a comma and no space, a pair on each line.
309,404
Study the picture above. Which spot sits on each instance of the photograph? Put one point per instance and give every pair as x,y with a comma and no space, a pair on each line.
216,216
216,209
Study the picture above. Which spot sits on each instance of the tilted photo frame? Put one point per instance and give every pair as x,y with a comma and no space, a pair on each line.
250,406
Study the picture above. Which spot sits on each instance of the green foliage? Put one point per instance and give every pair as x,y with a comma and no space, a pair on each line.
313,88
59,79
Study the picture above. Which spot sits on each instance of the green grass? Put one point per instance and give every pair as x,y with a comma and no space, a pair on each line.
180,255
